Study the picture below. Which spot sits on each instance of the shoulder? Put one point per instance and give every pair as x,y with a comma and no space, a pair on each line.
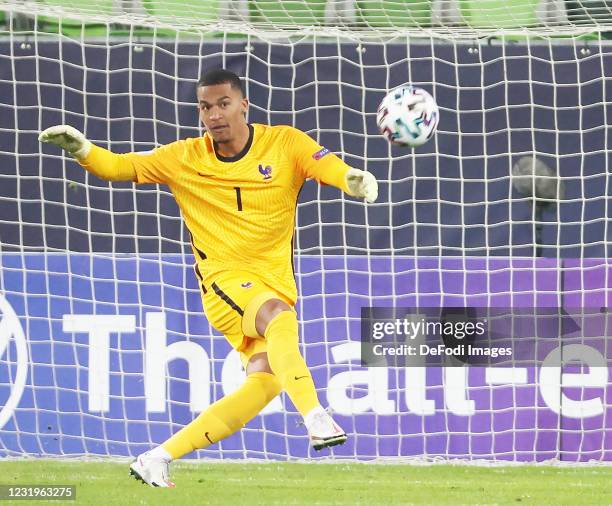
171,146
187,146
188,143
283,133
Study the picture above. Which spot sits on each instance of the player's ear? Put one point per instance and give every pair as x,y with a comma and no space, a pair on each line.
244,105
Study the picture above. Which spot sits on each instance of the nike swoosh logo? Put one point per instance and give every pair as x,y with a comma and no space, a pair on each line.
207,437
299,377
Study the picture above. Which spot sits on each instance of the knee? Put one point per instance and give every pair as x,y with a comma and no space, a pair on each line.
259,363
268,384
267,312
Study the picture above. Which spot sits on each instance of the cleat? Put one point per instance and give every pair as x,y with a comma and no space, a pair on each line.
153,472
322,430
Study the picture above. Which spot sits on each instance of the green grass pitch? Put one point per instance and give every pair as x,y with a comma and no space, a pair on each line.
106,483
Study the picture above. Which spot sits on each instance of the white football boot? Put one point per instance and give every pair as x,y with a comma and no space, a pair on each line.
150,470
322,429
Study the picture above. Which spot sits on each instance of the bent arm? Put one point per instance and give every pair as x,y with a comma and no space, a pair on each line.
316,162
325,167
332,171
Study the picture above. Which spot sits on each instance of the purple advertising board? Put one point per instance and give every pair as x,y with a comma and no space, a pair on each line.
109,355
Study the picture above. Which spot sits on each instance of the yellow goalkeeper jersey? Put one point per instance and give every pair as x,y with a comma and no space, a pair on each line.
240,211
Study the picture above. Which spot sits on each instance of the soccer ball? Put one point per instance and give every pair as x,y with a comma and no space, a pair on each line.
408,116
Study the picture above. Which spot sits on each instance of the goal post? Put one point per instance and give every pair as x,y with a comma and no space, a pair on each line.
104,349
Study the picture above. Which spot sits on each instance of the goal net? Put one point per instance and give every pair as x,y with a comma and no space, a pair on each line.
104,349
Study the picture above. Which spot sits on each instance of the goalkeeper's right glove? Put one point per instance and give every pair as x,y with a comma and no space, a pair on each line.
362,184
68,138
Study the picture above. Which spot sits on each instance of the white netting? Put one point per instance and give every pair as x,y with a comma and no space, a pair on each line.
354,19
99,276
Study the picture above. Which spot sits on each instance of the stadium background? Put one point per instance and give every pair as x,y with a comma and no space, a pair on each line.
498,103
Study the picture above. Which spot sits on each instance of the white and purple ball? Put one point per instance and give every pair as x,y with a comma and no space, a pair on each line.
408,116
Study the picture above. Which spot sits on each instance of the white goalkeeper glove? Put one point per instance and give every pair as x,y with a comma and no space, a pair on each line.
67,138
362,184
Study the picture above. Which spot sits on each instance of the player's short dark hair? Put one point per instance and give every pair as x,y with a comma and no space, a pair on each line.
221,76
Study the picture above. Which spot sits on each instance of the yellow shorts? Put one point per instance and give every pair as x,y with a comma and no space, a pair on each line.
231,300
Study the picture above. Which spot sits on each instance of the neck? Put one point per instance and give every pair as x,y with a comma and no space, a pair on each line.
236,145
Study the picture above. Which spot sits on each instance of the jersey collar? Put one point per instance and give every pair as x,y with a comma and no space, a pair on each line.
242,153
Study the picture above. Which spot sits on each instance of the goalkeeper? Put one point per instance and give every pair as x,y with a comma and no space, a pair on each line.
237,187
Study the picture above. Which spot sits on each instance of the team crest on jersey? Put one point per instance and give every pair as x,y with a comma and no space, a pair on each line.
266,171
248,284
320,154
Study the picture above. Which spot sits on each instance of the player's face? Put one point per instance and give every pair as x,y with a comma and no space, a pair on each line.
222,110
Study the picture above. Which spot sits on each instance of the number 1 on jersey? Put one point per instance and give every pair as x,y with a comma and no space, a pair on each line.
238,198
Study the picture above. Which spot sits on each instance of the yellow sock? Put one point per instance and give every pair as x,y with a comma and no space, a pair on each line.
287,362
226,416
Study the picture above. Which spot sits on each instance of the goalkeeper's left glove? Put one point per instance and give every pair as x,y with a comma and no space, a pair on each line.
362,184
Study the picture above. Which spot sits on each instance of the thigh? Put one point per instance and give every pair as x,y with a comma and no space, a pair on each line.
229,297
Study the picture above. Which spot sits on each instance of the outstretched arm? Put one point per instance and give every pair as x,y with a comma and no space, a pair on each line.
99,161
151,167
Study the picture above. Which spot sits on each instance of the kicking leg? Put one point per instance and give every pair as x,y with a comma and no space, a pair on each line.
278,323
